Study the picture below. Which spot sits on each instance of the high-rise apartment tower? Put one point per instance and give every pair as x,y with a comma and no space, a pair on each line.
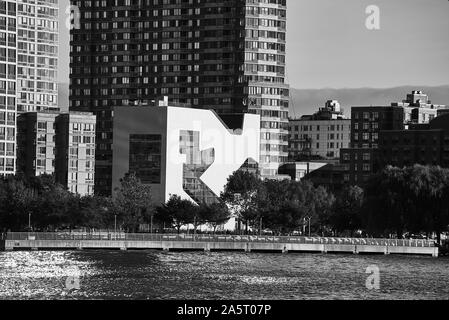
28,67
225,55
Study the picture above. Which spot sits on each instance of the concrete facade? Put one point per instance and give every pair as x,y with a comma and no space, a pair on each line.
181,151
8,84
36,143
58,144
423,144
167,245
76,152
368,123
319,136
37,55
28,67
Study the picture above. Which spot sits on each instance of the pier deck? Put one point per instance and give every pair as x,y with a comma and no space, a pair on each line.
121,241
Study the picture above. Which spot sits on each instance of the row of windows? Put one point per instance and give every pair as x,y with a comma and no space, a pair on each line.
27,22
330,136
283,115
7,149
365,145
330,145
74,165
37,74
274,136
254,45
366,167
272,159
8,87
250,10
273,125
7,165
273,148
126,57
7,134
355,156
267,23
7,102
230,22
88,102
7,38
7,71
8,7
374,137
366,126
7,22
273,2
267,34
175,91
106,3
365,115
307,128
82,139
7,118
264,68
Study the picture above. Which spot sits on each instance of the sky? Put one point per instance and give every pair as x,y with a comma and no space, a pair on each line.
329,45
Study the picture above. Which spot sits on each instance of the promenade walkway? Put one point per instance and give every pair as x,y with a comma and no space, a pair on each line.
125,241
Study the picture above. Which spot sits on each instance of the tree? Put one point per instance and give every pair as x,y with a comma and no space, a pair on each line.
413,199
240,195
17,202
92,212
39,199
429,186
284,205
387,202
132,203
177,212
322,209
347,209
215,214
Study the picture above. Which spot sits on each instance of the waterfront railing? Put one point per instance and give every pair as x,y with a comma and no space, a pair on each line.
120,236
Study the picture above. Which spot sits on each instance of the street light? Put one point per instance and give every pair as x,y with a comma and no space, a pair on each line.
307,218
115,226
238,198
29,221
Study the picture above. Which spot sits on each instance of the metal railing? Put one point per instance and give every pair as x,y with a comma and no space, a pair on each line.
119,236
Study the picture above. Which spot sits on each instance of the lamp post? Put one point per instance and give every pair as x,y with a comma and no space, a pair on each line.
194,228
260,228
115,226
238,198
151,224
307,218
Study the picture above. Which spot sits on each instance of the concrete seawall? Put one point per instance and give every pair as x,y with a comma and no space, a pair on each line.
10,245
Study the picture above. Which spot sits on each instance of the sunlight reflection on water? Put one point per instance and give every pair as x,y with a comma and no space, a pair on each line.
160,275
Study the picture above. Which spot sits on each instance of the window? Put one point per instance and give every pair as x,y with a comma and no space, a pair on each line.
145,157
74,164
42,126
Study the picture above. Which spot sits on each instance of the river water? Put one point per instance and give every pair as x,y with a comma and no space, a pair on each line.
194,276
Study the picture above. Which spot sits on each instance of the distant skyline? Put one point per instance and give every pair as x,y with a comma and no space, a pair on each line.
330,47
